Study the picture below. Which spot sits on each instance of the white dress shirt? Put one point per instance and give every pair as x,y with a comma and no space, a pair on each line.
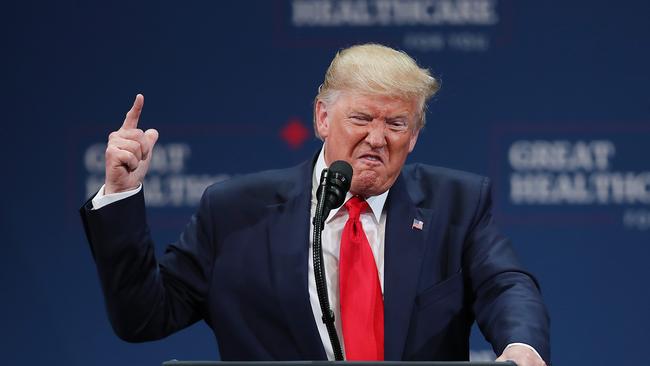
374,225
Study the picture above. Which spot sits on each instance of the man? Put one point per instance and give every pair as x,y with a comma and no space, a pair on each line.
419,239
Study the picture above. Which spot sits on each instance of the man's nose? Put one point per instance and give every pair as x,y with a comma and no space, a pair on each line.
376,137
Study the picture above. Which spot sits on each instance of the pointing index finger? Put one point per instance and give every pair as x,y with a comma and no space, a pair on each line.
133,115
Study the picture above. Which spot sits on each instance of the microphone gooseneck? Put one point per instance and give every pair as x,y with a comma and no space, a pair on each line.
334,185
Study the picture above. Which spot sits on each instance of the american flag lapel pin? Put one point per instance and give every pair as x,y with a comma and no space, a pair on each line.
417,224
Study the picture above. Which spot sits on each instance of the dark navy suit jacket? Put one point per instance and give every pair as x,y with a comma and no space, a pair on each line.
241,265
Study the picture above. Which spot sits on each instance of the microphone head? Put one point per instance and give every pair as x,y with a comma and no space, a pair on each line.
338,184
342,170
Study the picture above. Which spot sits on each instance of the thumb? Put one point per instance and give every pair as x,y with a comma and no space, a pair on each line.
151,135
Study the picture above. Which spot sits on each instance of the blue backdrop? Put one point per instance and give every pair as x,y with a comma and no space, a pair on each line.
550,99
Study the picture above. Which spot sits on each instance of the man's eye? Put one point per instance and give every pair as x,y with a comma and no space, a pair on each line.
361,118
398,125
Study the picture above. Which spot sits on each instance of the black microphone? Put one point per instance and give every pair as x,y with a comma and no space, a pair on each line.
335,181
334,185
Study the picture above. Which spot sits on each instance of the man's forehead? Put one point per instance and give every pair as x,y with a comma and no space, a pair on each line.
372,103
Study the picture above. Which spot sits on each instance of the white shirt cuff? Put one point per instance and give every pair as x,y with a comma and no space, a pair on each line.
527,346
100,200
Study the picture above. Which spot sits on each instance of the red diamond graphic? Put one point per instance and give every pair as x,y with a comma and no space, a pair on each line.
294,133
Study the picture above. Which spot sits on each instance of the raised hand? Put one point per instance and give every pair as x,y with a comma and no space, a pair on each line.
129,152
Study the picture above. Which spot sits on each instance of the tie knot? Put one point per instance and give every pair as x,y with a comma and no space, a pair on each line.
356,206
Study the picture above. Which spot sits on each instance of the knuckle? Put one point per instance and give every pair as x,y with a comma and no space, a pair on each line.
133,134
110,152
133,161
127,157
136,146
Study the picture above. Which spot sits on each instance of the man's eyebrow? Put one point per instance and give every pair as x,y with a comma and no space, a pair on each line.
403,115
360,113
398,117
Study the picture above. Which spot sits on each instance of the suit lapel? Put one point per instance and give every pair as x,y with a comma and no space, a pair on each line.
404,249
289,247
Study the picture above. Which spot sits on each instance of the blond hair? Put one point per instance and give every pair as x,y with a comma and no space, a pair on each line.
377,70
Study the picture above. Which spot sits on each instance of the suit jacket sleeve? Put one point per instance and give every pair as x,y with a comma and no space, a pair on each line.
507,302
147,300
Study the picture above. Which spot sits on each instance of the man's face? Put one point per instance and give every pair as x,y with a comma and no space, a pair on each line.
372,133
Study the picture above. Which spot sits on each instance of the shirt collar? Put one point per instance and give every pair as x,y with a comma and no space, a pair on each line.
376,203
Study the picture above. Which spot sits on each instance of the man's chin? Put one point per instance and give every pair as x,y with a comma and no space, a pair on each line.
367,184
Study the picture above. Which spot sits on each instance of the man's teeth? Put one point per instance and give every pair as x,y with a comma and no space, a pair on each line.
373,158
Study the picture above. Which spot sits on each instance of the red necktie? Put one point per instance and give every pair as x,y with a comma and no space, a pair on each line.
362,305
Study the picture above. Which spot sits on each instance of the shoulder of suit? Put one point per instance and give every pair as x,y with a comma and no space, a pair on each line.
431,181
264,187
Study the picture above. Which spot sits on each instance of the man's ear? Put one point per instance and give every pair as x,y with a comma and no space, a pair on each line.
322,120
414,139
